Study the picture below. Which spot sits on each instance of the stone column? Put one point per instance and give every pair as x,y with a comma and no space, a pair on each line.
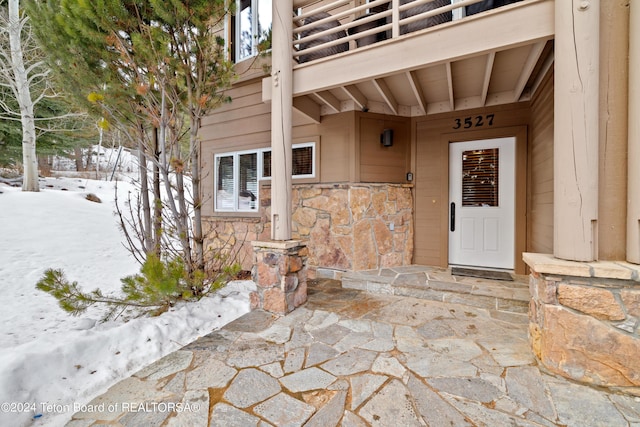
280,273
583,320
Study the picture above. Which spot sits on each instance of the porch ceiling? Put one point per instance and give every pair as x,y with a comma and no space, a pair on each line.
401,77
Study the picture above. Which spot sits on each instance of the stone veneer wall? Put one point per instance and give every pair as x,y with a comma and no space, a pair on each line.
584,320
346,227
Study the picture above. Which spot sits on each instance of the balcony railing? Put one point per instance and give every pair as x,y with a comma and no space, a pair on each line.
341,25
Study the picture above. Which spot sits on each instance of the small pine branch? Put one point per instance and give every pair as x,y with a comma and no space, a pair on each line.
71,299
158,286
76,302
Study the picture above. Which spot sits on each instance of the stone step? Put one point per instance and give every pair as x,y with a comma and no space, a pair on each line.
439,285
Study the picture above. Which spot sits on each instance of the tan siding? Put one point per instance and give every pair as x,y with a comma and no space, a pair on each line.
242,124
245,117
337,139
379,163
433,135
540,222
245,124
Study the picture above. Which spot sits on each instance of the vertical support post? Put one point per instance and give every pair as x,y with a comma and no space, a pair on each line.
614,104
281,118
395,18
576,129
633,184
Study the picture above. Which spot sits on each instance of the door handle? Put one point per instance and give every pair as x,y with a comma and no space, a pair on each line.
453,217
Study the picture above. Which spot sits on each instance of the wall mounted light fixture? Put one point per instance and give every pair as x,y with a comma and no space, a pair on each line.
386,137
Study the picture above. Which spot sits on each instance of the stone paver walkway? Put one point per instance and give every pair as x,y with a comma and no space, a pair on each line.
349,358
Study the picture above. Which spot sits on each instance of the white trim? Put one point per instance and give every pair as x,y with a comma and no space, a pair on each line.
236,177
255,27
311,144
259,173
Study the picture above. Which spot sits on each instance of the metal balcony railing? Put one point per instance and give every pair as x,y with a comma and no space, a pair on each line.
343,25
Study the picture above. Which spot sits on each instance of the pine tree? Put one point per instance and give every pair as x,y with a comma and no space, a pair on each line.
147,64
159,286
31,107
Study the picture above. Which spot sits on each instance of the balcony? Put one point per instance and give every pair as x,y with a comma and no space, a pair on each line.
417,58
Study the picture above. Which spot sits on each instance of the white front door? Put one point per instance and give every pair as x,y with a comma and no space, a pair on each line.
482,203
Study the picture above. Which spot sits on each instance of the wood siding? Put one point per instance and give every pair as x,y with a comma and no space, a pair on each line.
242,124
433,135
540,198
379,163
245,124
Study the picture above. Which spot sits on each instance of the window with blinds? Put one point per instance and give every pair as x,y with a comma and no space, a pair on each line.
302,161
237,175
237,182
480,177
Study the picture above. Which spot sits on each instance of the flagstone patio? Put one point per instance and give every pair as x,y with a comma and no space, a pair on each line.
352,358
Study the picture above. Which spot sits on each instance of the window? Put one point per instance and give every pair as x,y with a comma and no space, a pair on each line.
251,27
480,177
237,175
303,161
237,182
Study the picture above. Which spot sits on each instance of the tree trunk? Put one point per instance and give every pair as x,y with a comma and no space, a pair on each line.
77,153
29,158
181,228
157,197
198,238
144,195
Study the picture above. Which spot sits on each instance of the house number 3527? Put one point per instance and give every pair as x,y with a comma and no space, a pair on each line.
474,122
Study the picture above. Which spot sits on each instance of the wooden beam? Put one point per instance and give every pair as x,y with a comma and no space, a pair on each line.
386,94
307,107
544,69
633,174
354,93
527,69
491,57
417,90
329,99
525,22
303,3
452,102
576,130
281,120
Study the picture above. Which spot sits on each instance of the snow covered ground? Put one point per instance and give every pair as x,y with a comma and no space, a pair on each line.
50,358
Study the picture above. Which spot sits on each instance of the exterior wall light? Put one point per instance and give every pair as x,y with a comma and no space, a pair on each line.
386,138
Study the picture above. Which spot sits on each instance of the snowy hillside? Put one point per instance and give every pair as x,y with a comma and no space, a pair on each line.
49,357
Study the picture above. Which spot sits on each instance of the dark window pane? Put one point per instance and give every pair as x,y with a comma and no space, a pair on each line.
248,182
303,161
266,164
480,177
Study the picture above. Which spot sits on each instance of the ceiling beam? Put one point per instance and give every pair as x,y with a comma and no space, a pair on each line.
307,107
386,94
531,20
450,85
544,69
354,93
529,65
417,90
329,99
491,57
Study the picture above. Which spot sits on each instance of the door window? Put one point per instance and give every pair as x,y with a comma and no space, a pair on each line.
480,177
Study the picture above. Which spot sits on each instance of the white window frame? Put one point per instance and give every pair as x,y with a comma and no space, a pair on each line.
311,144
255,20
260,177
236,180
